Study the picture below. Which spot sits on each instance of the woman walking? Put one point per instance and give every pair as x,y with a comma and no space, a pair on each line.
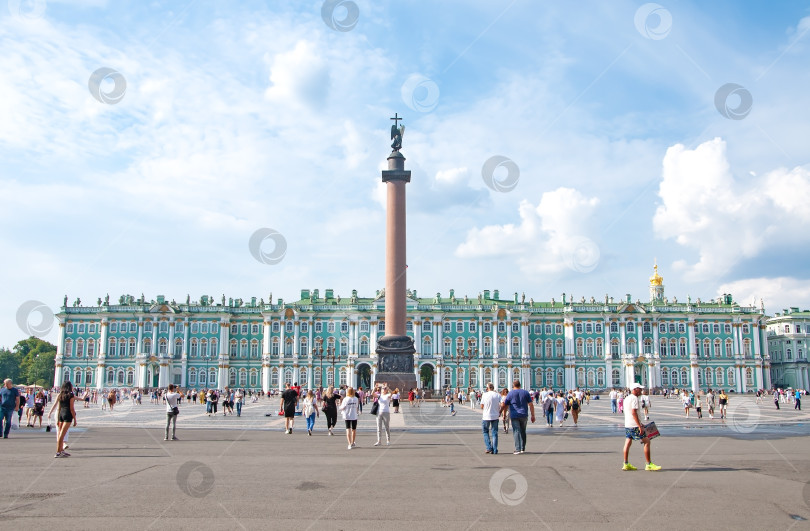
559,406
723,399
349,408
384,415
330,404
394,402
39,408
505,413
67,414
310,410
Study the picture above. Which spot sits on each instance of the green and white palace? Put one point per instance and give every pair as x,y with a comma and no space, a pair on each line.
323,338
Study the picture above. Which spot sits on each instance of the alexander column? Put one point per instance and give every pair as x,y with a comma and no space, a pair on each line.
395,349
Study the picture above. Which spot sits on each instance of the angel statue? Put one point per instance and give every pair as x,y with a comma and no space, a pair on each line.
396,133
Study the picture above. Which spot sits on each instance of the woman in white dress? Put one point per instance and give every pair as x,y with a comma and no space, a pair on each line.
559,404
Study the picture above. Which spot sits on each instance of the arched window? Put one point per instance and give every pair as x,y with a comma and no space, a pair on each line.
600,377
110,376
718,376
364,350
631,346
192,377
580,348
303,346
502,378
79,348
178,348
274,377
647,345
731,377
580,377
254,378
66,375
549,378
91,348
487,348
600,352
194,348
302,377
233,346
447,377
147,346
682,347
111,346
501,348
549,349
662,346
488,376
614,348
243,349
591,378
718,348
538,377
515,347
427,346
560,379
665,377
163,347
474,377
317,377
68,351
538,348
684,377
288,348
203,378
274,348
558,349
254,349
673,347
615,377
121,376
130,377
231,377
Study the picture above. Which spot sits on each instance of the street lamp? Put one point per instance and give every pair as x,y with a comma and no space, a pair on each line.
317,352
332,356
461,357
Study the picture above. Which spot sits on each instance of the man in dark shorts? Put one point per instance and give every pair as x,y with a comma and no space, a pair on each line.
289,399
634,429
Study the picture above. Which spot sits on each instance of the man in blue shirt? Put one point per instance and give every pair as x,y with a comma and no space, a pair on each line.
798,400
9,403
520,404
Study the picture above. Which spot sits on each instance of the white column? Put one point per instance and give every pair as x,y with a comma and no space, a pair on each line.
656,348
184,355
439,329
60,353
296,348
524,338
266,371
509,340
266,339
224,349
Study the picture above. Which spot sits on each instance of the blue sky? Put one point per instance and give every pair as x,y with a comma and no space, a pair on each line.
247,115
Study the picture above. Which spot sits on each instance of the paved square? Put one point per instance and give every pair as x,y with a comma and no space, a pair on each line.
750,471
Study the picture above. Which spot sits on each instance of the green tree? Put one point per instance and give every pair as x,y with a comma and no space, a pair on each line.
36,361
9,365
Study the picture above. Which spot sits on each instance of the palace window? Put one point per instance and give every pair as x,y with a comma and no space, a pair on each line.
473,327
178,348
515,327
244,329
662,328
599,331
729,348
254,349
164,327
380,326
243,349
364,347
558,329
178,327
426,327
548,329
579,328
589,348
682,347
588,328
631,327
600,377
599,352
727,328
515,347
364,326
276,327
447,347
558,348
487,327
195,328
705,328
501,327
234,329
715,328
113,327
318,327
614,327
344,327
746,329
616,377
205,328
459,327
549,348
580,349
254,328
147,327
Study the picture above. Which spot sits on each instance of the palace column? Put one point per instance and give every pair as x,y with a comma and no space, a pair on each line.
60,353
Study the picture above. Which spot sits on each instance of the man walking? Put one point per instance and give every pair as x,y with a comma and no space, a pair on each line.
519,403
9,403
171,412
491,404
289,401
613,400
798,400
634,429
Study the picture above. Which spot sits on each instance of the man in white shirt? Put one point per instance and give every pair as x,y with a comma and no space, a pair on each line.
491,404
613,396
634,429
171,412
384,415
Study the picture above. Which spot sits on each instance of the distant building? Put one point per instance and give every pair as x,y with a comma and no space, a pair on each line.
788,334
459,340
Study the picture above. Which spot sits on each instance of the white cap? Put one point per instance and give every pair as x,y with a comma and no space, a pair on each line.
636,385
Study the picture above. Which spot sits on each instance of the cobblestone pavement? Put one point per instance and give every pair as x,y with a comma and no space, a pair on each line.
750,471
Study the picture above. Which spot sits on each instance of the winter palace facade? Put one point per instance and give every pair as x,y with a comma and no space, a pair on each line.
323,338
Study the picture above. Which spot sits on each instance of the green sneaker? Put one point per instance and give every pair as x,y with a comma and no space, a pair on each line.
628,466
652,466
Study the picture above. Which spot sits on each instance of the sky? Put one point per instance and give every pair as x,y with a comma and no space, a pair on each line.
205,148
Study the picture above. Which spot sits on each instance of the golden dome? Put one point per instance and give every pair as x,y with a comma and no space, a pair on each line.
656,279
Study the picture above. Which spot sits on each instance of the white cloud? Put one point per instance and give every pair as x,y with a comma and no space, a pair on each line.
299,76
776,293
550,237
727,220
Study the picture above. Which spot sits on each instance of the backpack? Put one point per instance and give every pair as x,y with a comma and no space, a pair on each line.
574,404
